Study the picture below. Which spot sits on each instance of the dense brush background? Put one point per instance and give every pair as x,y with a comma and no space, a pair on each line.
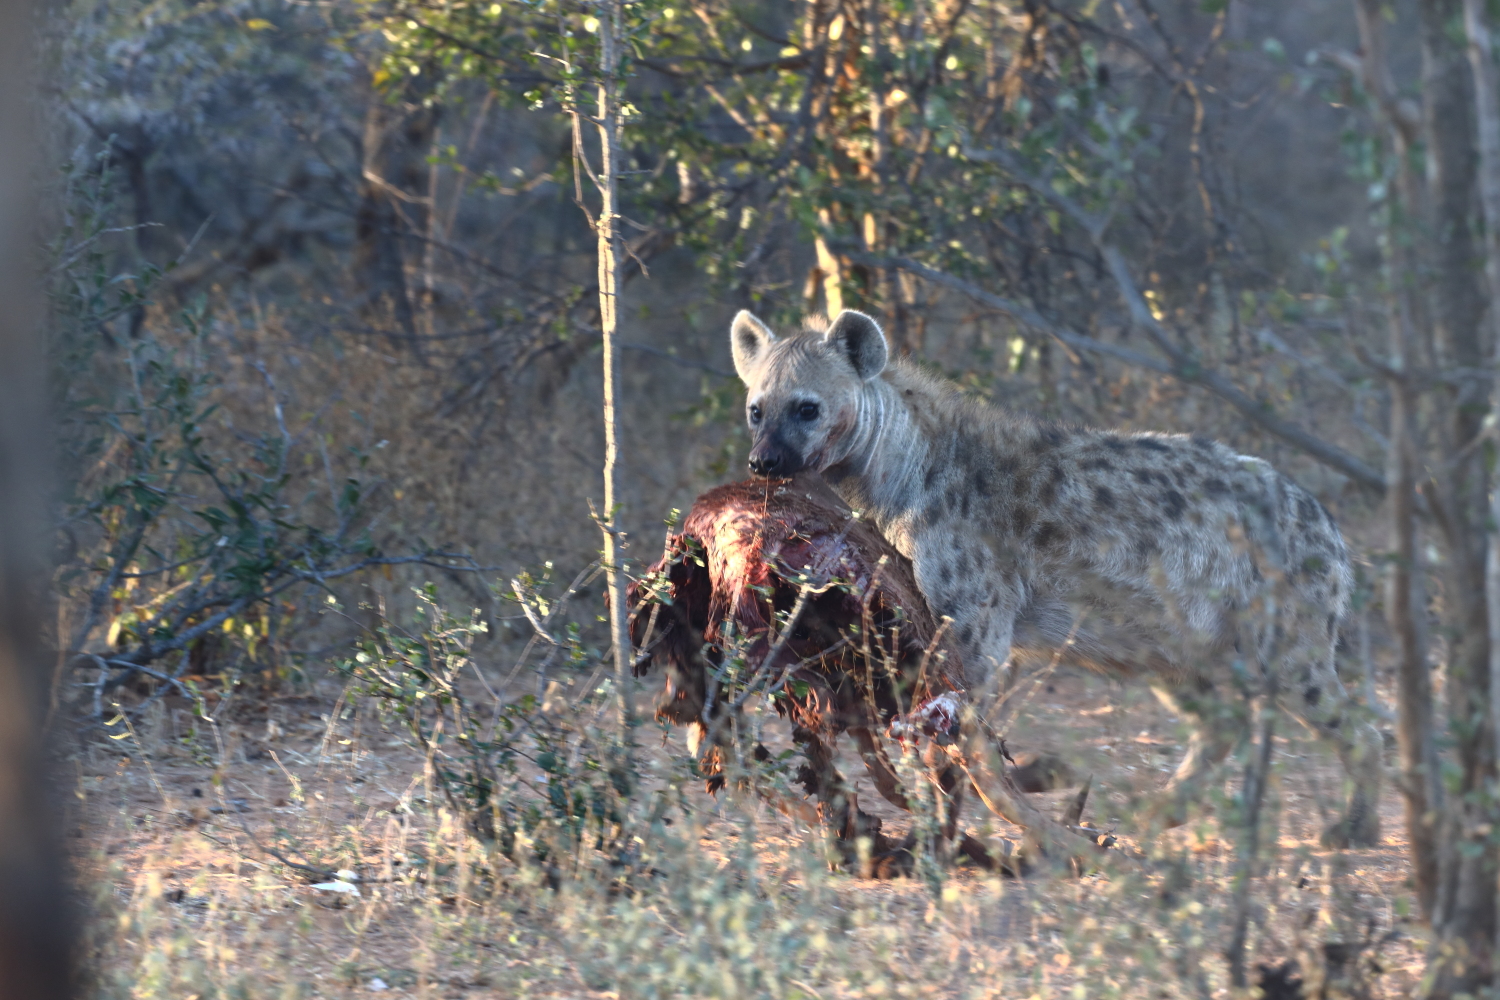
237,137
324,329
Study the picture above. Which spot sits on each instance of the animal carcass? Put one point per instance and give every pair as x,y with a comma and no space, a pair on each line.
777,588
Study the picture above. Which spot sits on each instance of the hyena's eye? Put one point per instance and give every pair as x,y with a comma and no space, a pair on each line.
808,411
755,414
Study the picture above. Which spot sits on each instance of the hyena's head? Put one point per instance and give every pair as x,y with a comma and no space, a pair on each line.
803,390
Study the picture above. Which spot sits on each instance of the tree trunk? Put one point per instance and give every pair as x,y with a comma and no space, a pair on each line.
378,267
1252,800
1464,945
611,260
1405,599
393,169
1406,610
35,916
1464,911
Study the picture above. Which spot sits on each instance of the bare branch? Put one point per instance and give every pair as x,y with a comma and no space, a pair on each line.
1181,365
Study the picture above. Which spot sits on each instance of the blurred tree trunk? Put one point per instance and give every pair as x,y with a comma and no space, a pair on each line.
1435,310
35,915
1463,918
1466,922
1405,598
393,173
1406,612
886,281
1487,114
1435,313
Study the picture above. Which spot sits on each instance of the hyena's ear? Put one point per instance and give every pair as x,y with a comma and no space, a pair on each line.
859,338
749,339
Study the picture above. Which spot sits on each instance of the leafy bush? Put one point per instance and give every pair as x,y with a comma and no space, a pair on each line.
192,534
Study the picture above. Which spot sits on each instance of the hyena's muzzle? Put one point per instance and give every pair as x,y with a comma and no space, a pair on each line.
773,455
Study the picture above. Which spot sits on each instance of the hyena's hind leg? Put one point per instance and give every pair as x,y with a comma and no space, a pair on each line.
1218,725
1312,693
1318,699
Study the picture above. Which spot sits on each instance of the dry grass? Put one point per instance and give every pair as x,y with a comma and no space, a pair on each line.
171,826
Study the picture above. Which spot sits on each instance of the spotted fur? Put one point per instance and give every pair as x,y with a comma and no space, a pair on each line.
1161,556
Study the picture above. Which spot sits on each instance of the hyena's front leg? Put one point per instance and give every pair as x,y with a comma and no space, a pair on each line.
962,582
1217,725
1319,700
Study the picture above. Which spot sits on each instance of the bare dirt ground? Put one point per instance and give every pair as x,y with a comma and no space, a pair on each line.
175,827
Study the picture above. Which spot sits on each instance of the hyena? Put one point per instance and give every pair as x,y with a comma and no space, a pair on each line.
1160,556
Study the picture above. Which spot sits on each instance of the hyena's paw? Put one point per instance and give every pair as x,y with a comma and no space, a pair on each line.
1166,813
1360,829
1168,807
1175,806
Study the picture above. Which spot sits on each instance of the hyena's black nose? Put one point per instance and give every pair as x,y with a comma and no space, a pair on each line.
764,465
772,457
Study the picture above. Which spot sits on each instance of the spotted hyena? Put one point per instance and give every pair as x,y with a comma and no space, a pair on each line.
1162,556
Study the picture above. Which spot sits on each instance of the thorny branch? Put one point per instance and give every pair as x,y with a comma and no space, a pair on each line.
1179,363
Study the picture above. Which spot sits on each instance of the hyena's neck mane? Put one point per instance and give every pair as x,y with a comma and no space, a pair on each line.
911,422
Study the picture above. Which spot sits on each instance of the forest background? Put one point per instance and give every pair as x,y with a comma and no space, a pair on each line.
325,317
